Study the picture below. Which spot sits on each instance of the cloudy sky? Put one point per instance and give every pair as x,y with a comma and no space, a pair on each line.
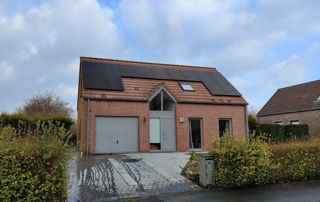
259,46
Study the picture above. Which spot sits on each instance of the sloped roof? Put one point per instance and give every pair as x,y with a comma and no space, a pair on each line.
141,89
295,98
106,74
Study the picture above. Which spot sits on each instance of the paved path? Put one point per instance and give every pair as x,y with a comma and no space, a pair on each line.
308,191
111,177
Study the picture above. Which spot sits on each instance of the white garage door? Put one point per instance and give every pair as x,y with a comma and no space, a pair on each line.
116,135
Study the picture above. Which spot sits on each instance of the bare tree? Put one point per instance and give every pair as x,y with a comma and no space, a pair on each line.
46,104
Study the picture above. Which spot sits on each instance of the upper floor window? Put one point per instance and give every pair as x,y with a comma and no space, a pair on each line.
162,102
318,99
186,87
295,122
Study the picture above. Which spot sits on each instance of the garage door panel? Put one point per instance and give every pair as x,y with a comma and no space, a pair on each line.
116,135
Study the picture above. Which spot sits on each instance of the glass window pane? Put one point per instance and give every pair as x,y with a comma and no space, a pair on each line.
168,103
154,130
224,127
155,104
186,87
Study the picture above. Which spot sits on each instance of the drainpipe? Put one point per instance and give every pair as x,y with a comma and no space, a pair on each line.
88,127
246,122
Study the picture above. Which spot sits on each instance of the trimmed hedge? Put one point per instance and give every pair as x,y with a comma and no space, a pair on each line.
280,133
272,132
24,124
239,163
296,132
32,168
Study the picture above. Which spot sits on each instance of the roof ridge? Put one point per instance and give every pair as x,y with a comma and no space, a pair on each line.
300,84
108,60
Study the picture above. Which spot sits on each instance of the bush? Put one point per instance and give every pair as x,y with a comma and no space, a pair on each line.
191,170
24,125
296,132
238,163
272,132
297,160
279,133
33,168
253,124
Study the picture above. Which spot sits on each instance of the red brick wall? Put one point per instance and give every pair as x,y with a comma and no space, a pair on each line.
125,109
210,115
312,118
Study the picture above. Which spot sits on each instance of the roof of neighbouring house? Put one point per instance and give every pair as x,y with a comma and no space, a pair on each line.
297,98
108,74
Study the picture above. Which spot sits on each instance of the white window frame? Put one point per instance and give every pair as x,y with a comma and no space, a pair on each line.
295,122
187,87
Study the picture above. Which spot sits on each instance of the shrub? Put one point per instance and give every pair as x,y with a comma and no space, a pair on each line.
191,170
253,124
279,133
272,132
297,160
296,132
238,163
33,168
24,125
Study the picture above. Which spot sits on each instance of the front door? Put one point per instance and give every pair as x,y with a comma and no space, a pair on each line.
162,131
168,137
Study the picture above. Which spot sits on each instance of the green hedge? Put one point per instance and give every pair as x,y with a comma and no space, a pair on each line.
239,163
272,132
296,132
32,168
25,125
280,133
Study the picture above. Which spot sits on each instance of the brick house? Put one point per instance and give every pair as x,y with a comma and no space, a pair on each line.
298,104
126,106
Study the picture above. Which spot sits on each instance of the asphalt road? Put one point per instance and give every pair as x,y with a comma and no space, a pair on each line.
308,191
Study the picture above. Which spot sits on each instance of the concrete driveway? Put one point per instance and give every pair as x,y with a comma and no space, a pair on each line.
110,177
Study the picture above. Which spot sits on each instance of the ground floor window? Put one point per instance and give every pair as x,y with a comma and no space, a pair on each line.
195,133
224,127
295,122
278,123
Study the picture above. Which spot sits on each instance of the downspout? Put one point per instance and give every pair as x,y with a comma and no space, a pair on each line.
246,122
88,127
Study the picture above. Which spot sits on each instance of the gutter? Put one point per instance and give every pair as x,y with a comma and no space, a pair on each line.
114,99
178,101
246,122
88,127
287,112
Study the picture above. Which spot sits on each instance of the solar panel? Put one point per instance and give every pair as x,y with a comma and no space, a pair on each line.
159,73
108,76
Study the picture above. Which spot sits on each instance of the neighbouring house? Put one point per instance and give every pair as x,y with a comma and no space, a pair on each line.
298,104
126,106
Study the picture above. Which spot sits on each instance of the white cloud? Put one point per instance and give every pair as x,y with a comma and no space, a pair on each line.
6,71
288,71
43,42
69,91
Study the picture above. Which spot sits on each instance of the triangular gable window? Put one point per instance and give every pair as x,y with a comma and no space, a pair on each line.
162,102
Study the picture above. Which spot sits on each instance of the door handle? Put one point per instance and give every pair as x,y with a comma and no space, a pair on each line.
164,135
